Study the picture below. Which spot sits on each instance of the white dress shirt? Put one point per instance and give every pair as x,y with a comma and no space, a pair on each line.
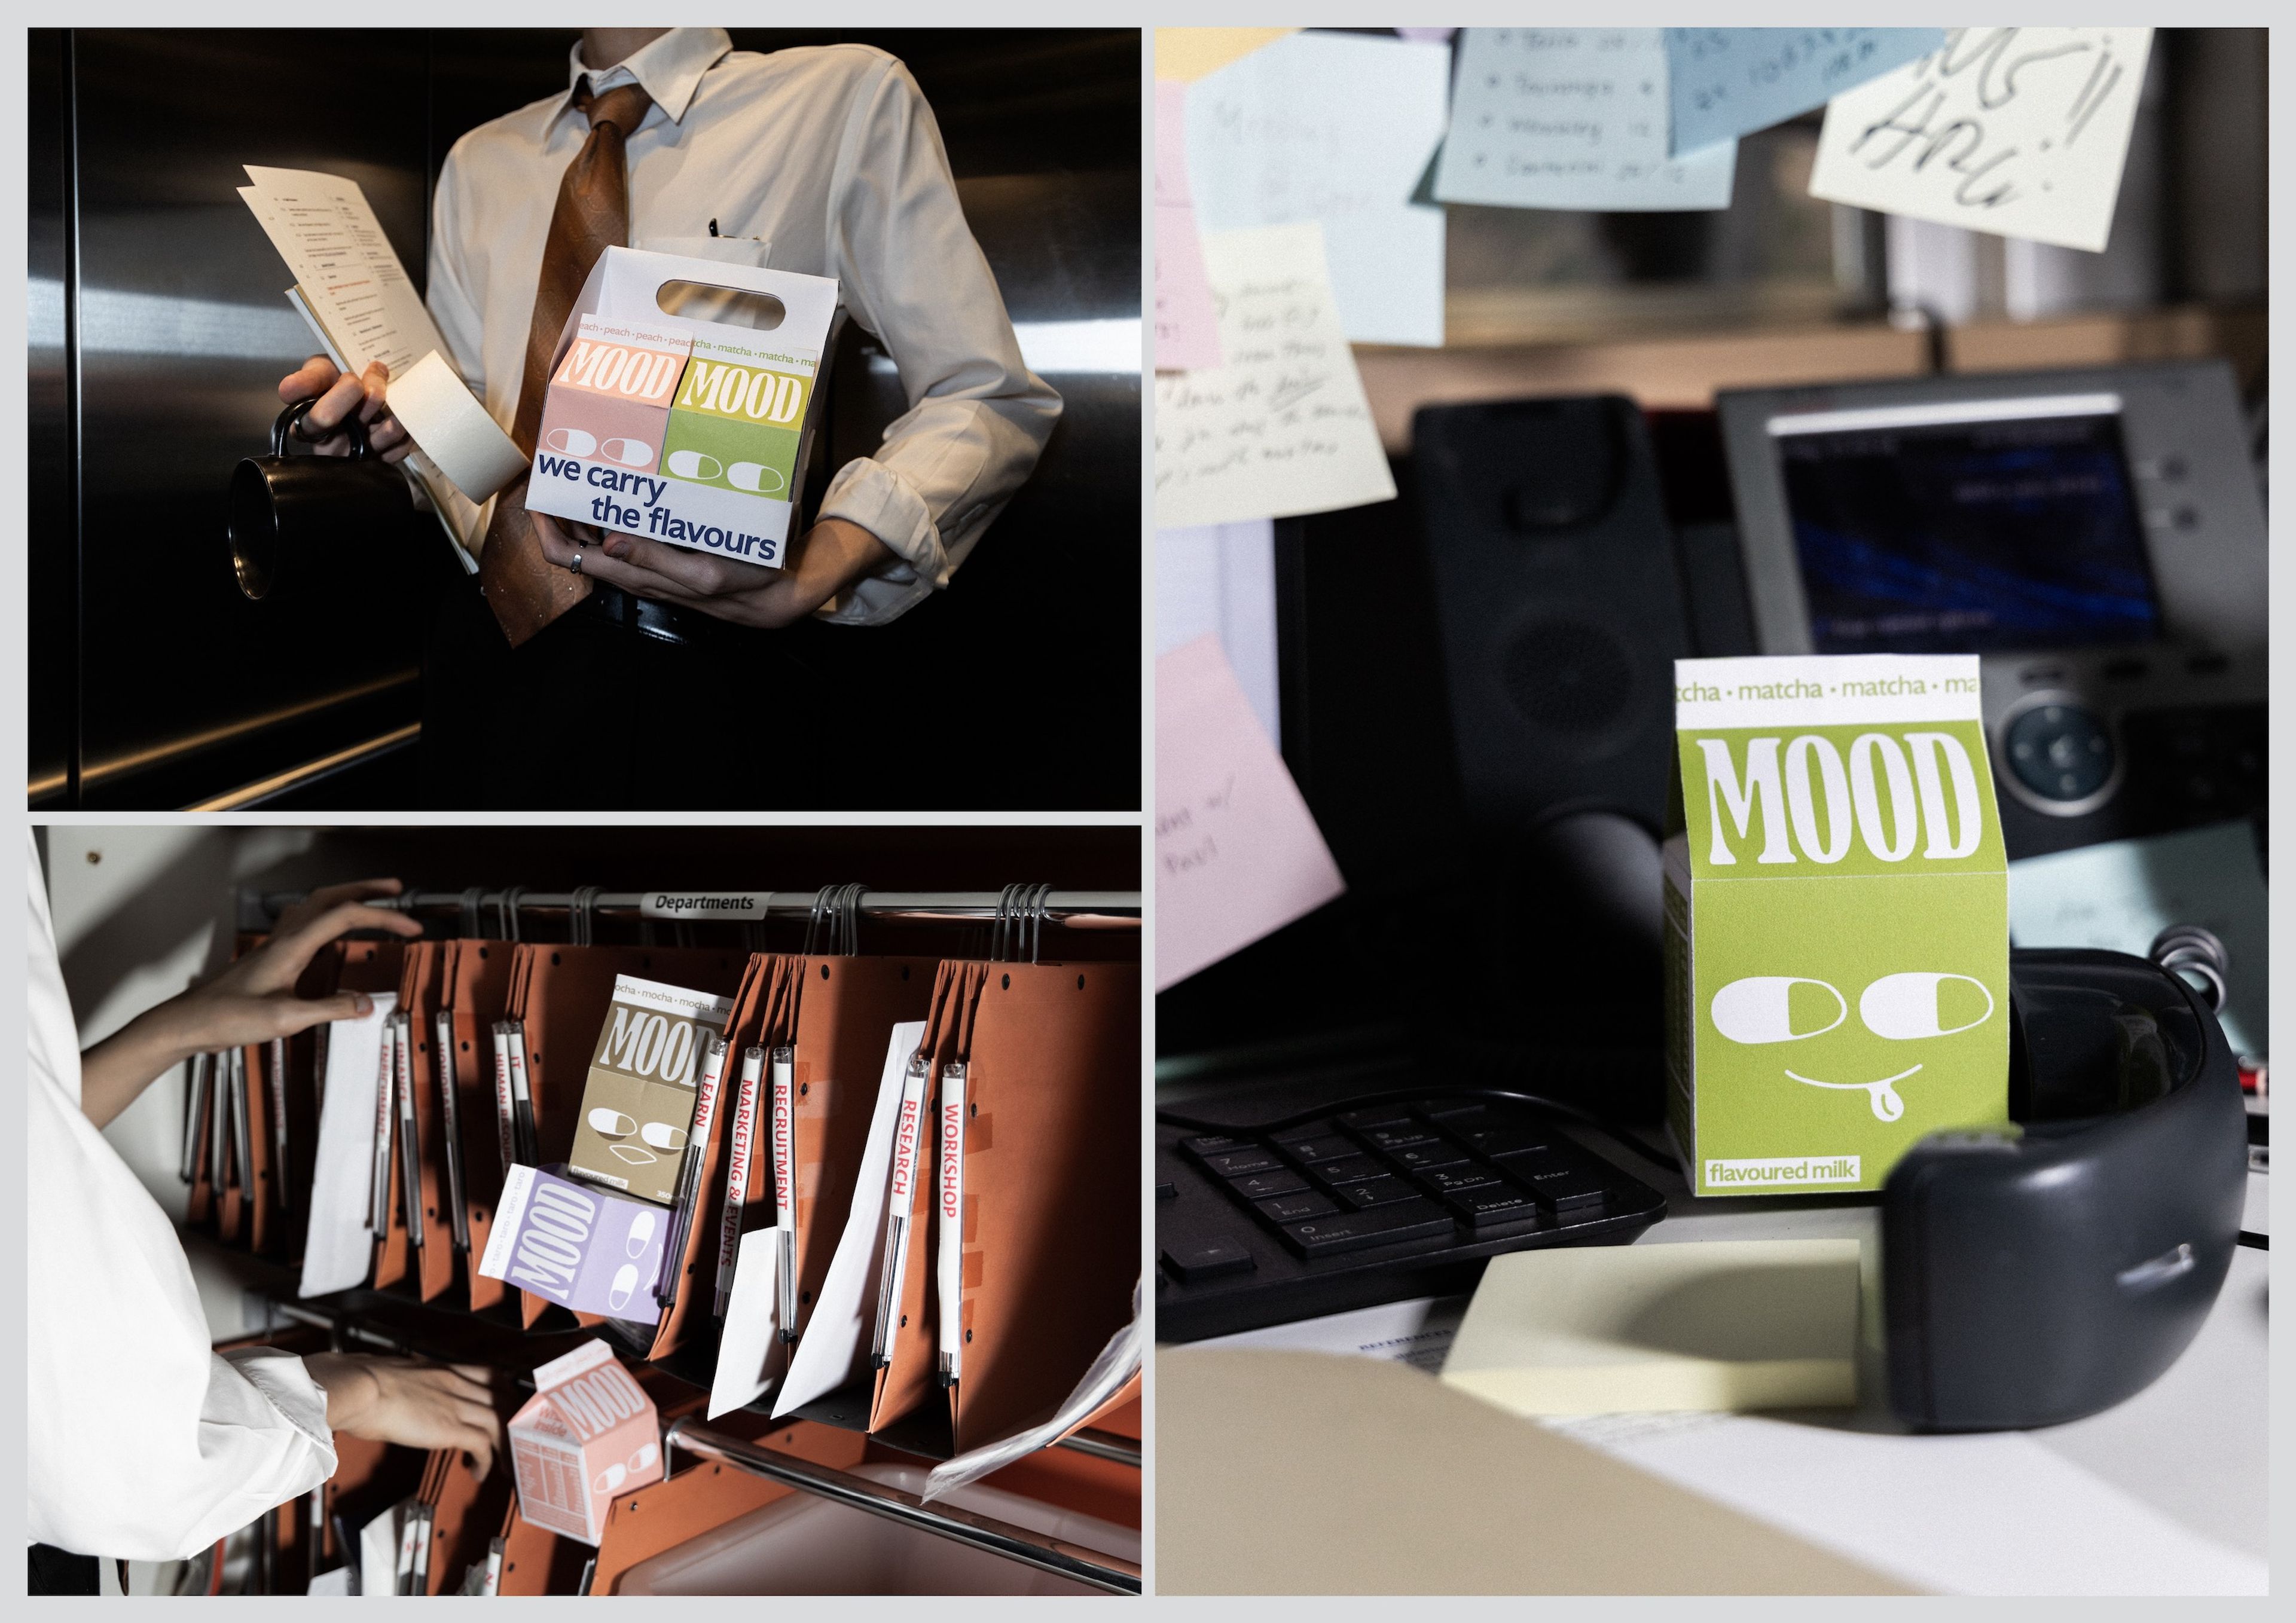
828,159
142,1442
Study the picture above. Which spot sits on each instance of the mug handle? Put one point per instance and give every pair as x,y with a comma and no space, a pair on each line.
290,422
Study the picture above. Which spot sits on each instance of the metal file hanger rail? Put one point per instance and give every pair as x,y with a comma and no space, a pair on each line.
1002,1538
499,912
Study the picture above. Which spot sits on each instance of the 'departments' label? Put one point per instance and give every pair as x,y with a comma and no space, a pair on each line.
1837,913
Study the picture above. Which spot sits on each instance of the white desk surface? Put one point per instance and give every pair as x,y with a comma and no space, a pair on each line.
2167,1493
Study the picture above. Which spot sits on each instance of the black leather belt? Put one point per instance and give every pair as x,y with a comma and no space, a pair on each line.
642,616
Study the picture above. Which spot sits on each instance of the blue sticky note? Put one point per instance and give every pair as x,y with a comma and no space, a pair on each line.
1726,82
1570,119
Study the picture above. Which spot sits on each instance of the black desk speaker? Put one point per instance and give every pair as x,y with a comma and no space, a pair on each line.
1559,602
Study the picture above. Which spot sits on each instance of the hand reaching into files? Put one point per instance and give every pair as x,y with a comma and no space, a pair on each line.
831,556
340,394
252,1001
410,1402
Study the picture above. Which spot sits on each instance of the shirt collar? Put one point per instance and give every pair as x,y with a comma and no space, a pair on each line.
670,68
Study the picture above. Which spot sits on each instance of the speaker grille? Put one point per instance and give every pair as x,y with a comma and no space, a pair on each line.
1568,675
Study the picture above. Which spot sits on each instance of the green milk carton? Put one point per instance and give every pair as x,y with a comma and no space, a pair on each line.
1837,919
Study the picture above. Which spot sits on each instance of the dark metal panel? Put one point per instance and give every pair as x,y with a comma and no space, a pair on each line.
52,529
187,689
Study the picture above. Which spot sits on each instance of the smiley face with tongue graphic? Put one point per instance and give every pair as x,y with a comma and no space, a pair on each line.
1909,1005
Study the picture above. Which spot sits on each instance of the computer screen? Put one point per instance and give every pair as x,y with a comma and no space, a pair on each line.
1966,527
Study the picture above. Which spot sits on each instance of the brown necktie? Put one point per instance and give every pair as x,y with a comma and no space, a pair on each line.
525,589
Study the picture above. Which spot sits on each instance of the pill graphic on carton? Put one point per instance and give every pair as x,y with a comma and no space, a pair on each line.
640,1236
662,1136
624,1286
694,465
612,1123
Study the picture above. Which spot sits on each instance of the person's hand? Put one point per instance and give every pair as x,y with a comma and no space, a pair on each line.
829,558
409,1402
340,395
252,1001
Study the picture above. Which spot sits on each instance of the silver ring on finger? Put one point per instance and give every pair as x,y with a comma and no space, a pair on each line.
576,567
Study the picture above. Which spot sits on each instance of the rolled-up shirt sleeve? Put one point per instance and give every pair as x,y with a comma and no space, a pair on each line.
142,1442
911,273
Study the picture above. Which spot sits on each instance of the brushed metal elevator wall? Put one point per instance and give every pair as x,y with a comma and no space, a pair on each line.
184,688
155,684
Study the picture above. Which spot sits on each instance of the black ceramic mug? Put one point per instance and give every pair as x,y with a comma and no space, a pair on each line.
281,503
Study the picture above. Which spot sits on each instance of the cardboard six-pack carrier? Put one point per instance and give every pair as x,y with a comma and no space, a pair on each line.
695,433
1836,918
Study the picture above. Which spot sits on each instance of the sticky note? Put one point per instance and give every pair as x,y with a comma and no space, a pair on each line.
2121,894
1722,1324
1187,329
1189,54
1237,854
1337,129
2021,132
1728,82
1836,909
1281,426
1571,118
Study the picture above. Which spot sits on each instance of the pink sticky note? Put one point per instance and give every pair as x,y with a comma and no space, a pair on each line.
1187,331
1238,855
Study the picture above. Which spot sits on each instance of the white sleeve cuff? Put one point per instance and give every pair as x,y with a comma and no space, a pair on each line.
868,493
281,1378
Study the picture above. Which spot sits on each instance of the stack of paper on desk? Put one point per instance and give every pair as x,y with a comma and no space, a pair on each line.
1729,1324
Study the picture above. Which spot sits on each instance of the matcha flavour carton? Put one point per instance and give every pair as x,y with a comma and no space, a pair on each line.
1836,919
690,432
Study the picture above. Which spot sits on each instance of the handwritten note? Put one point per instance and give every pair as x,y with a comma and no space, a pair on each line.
1571,118
1187,328
1282,426
1726,82
1237,854
2021,132
1339,128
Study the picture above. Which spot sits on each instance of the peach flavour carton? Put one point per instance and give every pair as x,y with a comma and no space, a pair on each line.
588,1432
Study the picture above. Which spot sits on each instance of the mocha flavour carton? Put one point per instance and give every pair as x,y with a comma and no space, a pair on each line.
638,1104
690,432
584,1247
1836,919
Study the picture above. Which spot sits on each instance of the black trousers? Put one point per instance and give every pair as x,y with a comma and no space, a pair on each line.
48,1571
591,715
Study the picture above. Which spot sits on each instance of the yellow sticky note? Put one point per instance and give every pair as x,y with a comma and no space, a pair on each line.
1189,54
1712,1324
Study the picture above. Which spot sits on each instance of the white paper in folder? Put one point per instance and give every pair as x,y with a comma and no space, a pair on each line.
341,1244
835,1346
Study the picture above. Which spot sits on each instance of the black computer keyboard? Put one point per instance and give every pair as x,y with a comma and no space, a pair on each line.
1368,1206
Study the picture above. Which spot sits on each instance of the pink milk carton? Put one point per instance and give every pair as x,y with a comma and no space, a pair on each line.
588,1433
